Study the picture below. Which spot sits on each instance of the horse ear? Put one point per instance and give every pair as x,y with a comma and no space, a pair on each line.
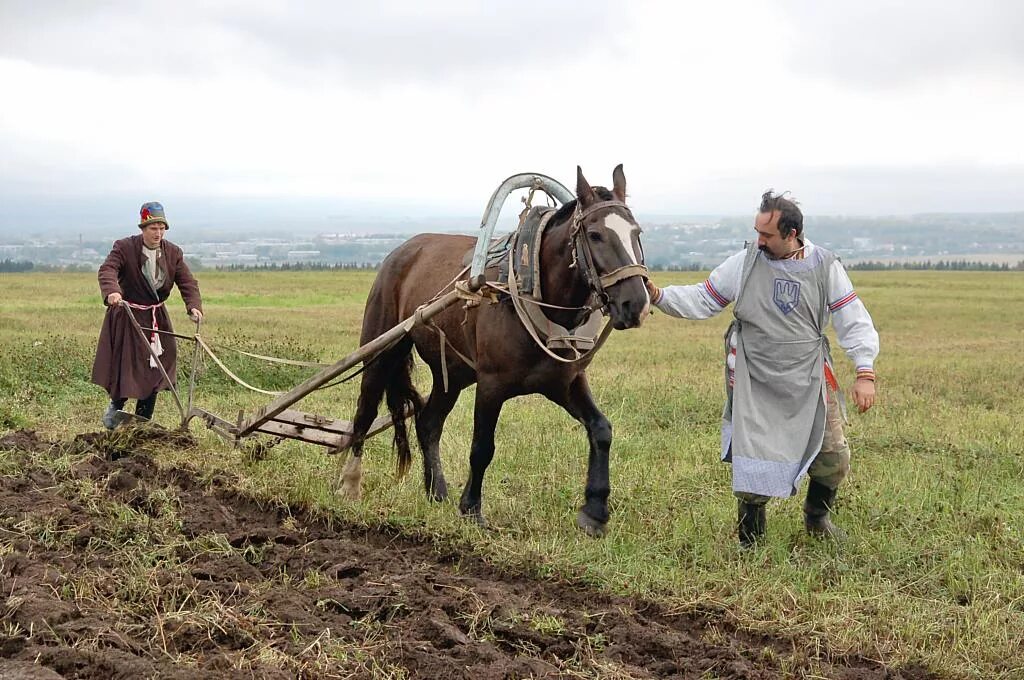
584,193
619,183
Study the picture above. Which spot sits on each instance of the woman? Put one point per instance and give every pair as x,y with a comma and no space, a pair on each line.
137,278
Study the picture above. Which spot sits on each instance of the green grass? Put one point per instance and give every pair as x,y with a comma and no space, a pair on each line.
934,571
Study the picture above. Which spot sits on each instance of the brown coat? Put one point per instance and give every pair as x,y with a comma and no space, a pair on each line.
122,357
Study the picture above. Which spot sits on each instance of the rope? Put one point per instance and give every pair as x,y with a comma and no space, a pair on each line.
366,363
231,375
127,307
517,302
451,284
200,342
273,360
539,303
339,381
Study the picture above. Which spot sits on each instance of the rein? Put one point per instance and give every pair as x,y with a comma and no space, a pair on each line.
531,325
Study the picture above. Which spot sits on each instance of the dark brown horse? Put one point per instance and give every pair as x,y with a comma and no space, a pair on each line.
590,257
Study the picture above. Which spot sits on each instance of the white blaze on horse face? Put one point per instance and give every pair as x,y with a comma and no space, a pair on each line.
622,228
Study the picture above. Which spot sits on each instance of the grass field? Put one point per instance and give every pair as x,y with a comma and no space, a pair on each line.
933,573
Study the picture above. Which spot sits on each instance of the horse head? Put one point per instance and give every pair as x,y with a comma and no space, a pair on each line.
607,250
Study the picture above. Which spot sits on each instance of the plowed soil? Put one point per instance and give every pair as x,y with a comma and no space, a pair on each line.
113,567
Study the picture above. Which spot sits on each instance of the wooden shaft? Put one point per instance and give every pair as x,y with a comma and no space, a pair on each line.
323,377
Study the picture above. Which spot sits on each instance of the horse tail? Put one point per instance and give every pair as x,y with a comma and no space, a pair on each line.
402,397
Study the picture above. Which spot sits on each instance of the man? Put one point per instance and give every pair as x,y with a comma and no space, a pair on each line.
137,278
784,411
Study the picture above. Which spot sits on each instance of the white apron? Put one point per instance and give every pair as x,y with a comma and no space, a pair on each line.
774,418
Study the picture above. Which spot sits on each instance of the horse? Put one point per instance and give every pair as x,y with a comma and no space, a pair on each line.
590,257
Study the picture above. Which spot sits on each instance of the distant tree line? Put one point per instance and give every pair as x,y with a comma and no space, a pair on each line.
9,265
12,266
941,265
672,267
297,266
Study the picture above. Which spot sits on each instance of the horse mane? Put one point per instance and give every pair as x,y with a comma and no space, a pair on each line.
568,208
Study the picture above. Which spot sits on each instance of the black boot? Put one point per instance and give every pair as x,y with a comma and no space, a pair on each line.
820,501
752,522
144,407
110,417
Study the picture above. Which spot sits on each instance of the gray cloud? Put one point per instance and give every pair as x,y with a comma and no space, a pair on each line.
853,190
393,41
880,43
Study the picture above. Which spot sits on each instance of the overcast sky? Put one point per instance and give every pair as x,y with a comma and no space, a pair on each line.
868,107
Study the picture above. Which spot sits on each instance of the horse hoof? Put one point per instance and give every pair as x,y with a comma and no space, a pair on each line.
438,493
352,479
590,526
477,518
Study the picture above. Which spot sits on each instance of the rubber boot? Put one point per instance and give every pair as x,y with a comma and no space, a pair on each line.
820,501
752,522
144,407
110,418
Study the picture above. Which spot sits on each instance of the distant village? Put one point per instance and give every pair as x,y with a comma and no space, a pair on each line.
996,239
362,250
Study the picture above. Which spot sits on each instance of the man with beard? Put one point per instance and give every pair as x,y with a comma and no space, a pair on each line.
784,411
136,278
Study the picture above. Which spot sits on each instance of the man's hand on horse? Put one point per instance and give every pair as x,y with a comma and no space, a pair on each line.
864,394
652,290
114,299
196,315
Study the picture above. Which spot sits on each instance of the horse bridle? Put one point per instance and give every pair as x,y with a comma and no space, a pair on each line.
581,252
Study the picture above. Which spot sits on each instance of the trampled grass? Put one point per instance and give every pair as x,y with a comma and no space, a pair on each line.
934,570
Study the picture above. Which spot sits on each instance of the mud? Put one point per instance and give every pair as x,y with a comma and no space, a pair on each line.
113,567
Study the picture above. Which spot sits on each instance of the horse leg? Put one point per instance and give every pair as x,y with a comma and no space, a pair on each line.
373,384
579,402
485,418
429,424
